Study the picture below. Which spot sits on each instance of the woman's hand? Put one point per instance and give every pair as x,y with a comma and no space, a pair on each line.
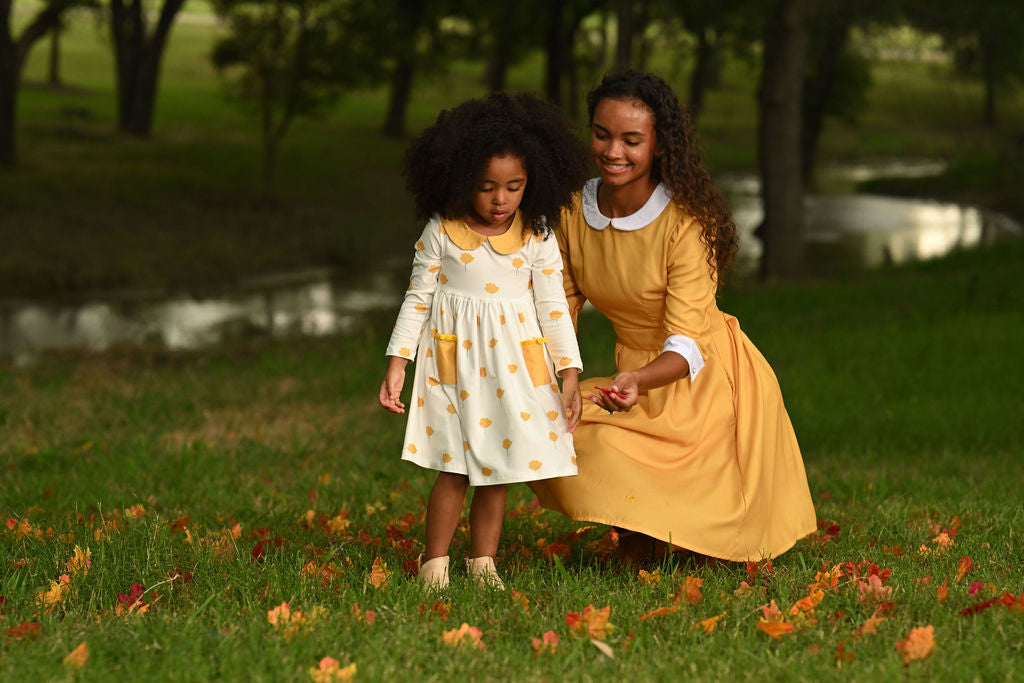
391,386
621,396
571,397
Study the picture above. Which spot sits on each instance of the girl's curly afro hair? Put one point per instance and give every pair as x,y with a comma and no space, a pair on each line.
678,164
445,163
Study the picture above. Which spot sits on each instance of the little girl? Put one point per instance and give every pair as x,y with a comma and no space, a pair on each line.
486,319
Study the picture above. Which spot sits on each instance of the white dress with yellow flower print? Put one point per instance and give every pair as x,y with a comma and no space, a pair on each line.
487,322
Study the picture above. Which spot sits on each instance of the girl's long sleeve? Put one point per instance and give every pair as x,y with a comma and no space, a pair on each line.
415,310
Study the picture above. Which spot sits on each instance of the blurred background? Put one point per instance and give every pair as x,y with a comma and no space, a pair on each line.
181,173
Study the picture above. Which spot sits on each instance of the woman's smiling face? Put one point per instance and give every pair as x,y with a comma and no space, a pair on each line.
623,141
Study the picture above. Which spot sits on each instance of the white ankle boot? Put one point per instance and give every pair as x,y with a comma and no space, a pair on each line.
433,573
483,572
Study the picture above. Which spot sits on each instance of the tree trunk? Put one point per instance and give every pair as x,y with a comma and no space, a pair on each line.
556,51
138,57
701,68
12,56
401,88
497,65
782,73
8,100
989,79
54,66
624,33
826,64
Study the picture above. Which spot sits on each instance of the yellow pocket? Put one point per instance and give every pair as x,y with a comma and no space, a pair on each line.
446,348
533,357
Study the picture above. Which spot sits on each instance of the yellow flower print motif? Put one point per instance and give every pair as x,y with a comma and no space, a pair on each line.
445,457
535,465
478,321
409,288
554,387
463,394
573,460
512,368
411,448
483,372
420,402
548,271
485,422
465,445
553,436
555,315
552,415
451,409
500,392
486,471
522,318
506,444
493,342
467,259
467,344
433,381
430,353
564,360
435,268
501,318
517,263
491,288
525,416
430,430
420,308
404,352
443,279
529,285
420,246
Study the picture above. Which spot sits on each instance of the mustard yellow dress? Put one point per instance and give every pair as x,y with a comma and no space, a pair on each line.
709,462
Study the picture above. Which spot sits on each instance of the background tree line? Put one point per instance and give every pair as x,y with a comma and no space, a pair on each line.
293,58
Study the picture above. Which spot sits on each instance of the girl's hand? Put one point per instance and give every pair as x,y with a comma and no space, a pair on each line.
571,399
621,396
391,386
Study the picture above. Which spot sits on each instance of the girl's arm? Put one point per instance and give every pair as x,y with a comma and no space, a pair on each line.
405,338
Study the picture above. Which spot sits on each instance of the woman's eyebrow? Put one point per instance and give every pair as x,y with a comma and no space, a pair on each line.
635,133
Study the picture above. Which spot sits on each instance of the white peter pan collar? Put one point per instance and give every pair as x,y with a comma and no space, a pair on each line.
655,204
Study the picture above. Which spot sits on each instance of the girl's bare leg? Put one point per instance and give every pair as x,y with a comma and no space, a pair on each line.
443,511
486,516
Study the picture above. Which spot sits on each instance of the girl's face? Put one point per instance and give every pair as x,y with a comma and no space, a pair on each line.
623,141
498,192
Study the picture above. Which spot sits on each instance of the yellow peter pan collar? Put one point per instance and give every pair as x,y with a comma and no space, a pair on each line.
467,239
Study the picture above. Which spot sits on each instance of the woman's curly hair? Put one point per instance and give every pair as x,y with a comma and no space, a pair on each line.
443,165
678,164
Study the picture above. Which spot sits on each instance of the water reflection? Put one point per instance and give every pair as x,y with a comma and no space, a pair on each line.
310,303
844,232
849,232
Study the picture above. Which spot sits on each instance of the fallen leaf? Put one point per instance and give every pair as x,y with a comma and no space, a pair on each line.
78,657
918,644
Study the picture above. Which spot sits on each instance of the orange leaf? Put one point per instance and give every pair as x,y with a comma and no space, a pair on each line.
709,624
661,611
691,589
942,592
776,629
78,657
379,574
918,644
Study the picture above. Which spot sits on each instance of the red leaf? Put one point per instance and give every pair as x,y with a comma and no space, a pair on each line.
25,631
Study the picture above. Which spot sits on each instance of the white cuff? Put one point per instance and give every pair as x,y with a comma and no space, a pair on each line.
687,348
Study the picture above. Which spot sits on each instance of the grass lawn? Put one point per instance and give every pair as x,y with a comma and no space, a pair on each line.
224,483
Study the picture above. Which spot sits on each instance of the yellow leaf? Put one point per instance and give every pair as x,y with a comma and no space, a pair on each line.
78,657
379,574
